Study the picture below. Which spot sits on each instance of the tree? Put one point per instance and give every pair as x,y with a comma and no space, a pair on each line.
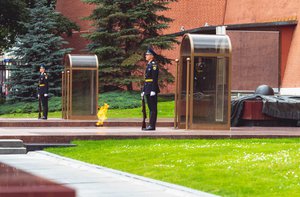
41,44
124,29
11,14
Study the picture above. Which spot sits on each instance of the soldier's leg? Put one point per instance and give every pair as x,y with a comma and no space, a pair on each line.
44,100
153,107
46,107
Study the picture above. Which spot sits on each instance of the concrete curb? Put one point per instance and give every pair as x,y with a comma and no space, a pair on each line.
70,161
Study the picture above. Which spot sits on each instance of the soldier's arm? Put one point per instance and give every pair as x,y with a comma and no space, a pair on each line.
155,77
46,83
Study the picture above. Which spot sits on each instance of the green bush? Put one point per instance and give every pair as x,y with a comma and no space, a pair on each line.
120,99
115,100
29,107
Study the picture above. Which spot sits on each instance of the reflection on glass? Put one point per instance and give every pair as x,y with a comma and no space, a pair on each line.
83,90
89,61
183,78
210,90
210,44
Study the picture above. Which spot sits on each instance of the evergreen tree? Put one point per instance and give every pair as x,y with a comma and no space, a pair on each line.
124,29
40,44
11,14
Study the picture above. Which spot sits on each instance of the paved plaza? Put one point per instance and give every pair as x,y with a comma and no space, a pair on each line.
95,181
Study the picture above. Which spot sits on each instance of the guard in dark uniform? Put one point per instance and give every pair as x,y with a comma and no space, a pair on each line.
151,88
43,90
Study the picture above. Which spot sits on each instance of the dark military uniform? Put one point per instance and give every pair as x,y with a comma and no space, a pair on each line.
43,93
151,85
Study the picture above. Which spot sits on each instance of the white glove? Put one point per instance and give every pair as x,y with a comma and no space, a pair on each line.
152,93
45,95
38,95
142,94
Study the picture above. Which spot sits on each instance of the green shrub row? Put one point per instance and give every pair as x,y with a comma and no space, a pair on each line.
29,107
115,100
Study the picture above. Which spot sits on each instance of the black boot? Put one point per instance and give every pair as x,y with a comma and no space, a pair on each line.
149,128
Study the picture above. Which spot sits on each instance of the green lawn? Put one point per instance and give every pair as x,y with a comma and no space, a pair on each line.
229,167
165,110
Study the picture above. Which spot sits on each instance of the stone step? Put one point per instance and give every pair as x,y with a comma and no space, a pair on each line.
9,150
14,143
55,122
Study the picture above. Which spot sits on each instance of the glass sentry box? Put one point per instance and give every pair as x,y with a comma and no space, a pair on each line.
202,98
80,87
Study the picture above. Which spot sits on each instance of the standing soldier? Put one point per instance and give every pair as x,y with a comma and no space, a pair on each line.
43,90
151,88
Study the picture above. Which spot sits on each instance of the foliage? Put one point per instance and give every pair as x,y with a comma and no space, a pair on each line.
29,107
123,31
120,99
41,44
123,104
228,167
12,13
165,110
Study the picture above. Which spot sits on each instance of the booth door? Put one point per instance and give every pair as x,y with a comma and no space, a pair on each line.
66,94
182,93
84,104
203,88
209,92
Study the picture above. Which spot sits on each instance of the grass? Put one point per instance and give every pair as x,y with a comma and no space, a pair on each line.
165,110
247,167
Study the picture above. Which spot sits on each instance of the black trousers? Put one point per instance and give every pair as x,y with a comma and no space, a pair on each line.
44,100
152,105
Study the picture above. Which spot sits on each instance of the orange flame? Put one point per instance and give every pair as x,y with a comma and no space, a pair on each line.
102,114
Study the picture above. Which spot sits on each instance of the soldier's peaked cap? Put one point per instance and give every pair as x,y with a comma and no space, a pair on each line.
43,66
150,51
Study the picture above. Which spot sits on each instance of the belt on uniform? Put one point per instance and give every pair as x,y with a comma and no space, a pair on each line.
41,85
148,80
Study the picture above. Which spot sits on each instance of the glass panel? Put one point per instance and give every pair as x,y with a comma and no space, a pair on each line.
185,47
84,92
210,44
210,90
84,61
182,93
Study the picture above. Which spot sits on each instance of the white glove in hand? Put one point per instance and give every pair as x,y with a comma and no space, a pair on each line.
38,95
142,94
45,95
152,93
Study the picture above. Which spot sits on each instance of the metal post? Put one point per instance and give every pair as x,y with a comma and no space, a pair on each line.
63,95
68,95
176,96
187,97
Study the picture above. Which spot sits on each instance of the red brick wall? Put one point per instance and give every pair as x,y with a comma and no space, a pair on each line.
195,13
75,10
245,11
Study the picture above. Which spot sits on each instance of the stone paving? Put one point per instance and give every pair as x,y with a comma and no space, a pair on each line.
94,181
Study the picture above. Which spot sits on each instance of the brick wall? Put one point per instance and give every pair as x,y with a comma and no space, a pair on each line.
245,11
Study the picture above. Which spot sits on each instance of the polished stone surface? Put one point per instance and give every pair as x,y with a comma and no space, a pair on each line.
18,183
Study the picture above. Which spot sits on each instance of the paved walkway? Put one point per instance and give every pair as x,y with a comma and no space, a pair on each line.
95,181
102,132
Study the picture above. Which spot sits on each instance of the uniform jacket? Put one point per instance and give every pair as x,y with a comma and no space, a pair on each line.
151,78
43,84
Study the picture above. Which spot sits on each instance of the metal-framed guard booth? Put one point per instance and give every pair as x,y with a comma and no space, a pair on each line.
203,82
80,87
